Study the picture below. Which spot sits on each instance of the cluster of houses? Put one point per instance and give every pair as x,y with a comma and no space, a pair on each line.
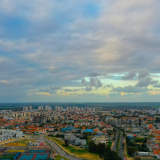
9,134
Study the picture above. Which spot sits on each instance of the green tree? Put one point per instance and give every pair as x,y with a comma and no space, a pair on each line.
92,147
66,143
111,155
100,148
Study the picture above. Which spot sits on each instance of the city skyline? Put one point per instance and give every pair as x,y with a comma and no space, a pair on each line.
79,51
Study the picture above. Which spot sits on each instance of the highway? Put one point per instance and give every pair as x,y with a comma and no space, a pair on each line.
59,151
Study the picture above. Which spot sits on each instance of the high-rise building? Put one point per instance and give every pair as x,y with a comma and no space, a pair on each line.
69,109
58,108
25,109
30,108
49,108
75,108
46,107
40,108
158,110
40,119
87,109
81,109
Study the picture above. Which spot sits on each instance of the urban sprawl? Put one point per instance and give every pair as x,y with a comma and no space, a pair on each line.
79,133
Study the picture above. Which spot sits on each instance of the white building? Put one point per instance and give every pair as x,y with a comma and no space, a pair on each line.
75,108
25,109
30,108
40,108
158,110
58,108
81,109
7,134
69,108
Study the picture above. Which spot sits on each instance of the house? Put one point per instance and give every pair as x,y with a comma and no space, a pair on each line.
70,137
7,134
100,139
80,142
66,129
88,131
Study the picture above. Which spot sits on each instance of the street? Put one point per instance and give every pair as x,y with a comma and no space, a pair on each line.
58,150
121,147
115,142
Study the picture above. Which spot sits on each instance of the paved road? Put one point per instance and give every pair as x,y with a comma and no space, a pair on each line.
59,151
115,142
120,147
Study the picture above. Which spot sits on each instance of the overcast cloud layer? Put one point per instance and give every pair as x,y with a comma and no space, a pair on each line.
78,51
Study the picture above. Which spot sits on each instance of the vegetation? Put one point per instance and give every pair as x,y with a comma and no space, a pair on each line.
76,151
157,119
103,151
141,140
60,157
8,156
66,142
118,140
132,146
21,143
111,155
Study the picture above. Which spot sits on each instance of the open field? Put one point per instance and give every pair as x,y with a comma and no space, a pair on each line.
76,151
59,158
15,151
22,143
8,156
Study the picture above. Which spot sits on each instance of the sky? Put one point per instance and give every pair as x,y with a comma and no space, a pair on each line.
80,51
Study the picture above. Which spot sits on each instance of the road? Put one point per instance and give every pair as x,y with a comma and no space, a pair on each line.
58,150
121,147
115,142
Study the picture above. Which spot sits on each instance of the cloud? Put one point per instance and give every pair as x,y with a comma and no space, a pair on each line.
154,92
108,86
94,82
4,81
95,74
50,89
157,86
146,82
143,73
53,43
129,75
88,88
71,90
129,89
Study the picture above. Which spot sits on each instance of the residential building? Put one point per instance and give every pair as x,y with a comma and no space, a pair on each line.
40,108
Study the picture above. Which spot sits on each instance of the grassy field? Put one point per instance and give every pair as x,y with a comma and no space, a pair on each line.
15,151
8,156
21,143
59,158
76,151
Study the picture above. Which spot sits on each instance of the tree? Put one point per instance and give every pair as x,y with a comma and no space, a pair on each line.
145,140
111,155
41,125
66,143
131,150
157,119
92,147
123,145
100,148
